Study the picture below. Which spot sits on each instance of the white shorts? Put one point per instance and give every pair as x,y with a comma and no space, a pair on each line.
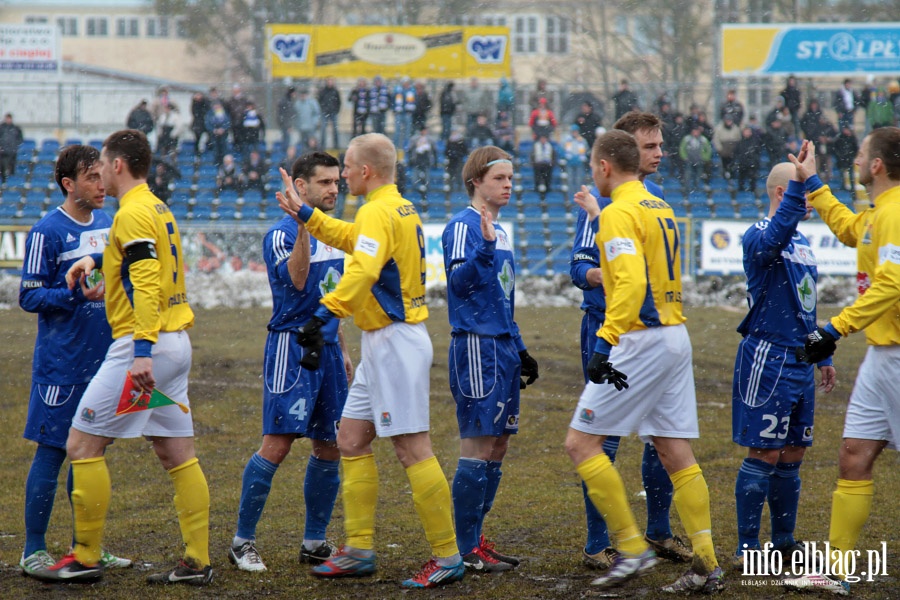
660,399
874,409
391,385
96,413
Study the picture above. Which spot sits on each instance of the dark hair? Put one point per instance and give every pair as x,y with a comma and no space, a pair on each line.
131,146
635,120
305,165
73,161
619,148
884,143
477,167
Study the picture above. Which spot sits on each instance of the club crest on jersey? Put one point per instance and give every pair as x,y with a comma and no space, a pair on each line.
586,416
385,419
330,281
507,279
806,292
862,282
87,415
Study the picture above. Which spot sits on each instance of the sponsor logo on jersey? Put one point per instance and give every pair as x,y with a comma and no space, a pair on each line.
862,282
507,279
616,247
889,253
512,421
366,245
332,278
586,416
806,292
807,433
385,419
87,415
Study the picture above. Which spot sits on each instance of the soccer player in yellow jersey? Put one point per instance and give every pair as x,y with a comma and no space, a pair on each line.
872,421
383,287
651,389
147,309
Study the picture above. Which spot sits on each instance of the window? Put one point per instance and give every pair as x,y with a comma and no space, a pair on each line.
158,27
68,26
181,29
525,35
97,26
557,35
127,27
35,20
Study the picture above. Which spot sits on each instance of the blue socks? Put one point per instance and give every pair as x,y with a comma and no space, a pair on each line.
658,486
750,491
493,474
40,492
469,490
597,533
784,497
255,486
320,489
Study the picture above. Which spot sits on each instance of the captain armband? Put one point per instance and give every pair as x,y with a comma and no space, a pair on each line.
138,252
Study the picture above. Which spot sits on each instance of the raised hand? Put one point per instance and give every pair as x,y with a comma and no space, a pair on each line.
586,200
487,226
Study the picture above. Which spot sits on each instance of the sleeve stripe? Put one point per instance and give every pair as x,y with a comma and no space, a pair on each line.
587,235
278,247
460,231
35,254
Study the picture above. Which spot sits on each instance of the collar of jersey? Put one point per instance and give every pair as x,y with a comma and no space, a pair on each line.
889,195
135,191
626,188
379,191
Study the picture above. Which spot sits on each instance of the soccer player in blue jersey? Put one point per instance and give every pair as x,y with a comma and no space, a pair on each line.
297,401
773,395
72,337
585,271
487,354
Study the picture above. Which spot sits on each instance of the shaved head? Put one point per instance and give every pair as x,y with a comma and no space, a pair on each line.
377,151
779,177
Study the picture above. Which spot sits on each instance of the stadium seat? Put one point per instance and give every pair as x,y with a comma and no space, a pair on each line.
98,144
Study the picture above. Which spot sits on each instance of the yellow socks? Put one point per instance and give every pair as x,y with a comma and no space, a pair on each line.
431,495
692,501
360,490
607,492
851,503
192,506
91,491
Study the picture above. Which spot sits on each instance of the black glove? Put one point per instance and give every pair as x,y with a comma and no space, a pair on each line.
310,337
819,345
529,369
600,371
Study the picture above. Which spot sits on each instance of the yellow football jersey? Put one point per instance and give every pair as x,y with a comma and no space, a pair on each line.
147,296
641,262
875,233
384,278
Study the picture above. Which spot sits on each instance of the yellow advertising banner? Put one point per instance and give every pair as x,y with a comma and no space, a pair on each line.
442,52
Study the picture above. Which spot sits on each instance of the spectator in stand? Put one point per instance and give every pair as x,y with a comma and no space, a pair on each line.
791,95
255,172
379,103
825,136
542,120
200,105
705,128
456,152
588,121
477,101
218,124
422,108
160,103
663,100
577,154
228,177
726,136
666,115
809,122
505,135
359,100
776,142
696,152
480,134
161,180
880,111
540,91
506,99
237,107
168,126
404,106
253,129
329,99
673,133
894,97
290,155
308,117
449,101
624,100
693,116
140,118
732,107
543,159
747,157
422,155
845,148
287,115
846,100
10,141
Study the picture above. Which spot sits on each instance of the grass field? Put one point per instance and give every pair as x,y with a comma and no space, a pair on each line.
538,513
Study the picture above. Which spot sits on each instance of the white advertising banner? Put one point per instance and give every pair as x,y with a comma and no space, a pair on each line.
29,48
721,252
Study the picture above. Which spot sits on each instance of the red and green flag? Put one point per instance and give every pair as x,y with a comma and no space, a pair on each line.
135,400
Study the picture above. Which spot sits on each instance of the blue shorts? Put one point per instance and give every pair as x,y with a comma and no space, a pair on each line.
297,401
50,412
590,324
484,381
773,397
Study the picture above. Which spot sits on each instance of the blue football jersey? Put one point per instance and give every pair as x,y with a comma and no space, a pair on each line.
73,334
586,255
781,275
481,278
291,308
